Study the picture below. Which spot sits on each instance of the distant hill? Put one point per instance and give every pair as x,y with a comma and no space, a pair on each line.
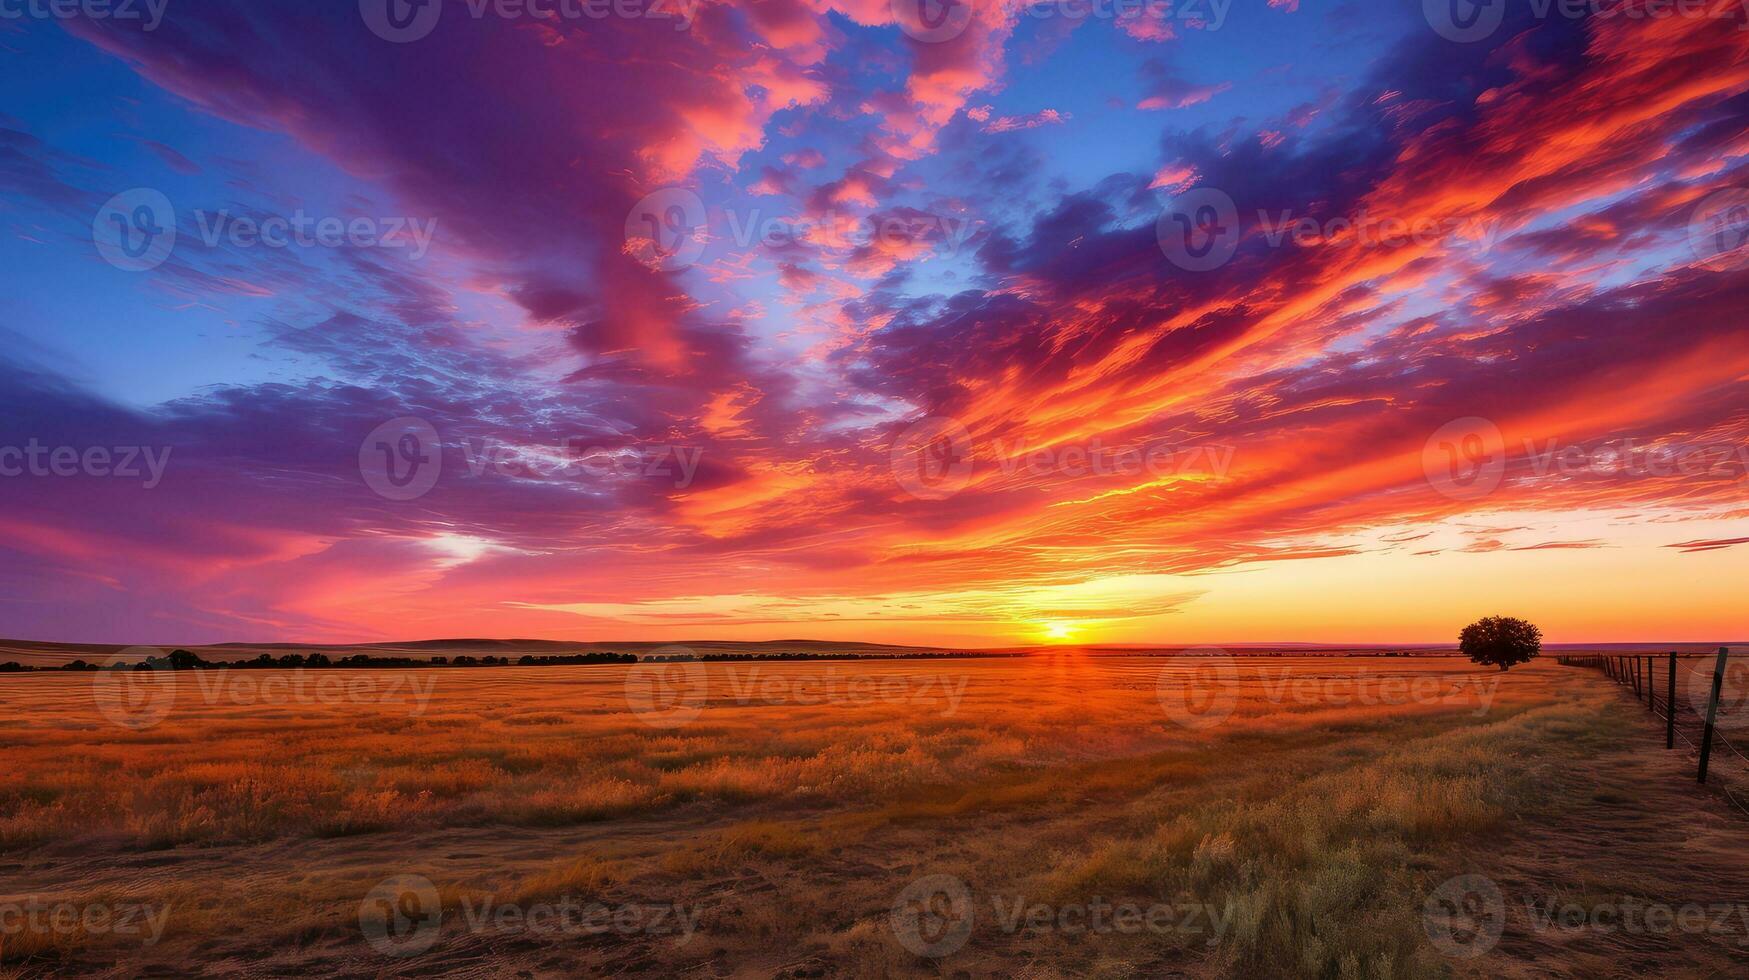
40,654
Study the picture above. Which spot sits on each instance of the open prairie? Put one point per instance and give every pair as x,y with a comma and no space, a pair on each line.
1054,815
1088,488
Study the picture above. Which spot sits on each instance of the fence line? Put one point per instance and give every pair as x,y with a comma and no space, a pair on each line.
1639,673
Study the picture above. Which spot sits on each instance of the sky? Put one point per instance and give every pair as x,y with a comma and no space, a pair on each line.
951,324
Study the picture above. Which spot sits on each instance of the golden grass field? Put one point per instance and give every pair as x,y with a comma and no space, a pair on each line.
1054,815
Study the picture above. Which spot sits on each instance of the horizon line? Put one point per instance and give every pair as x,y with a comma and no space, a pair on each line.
1164,645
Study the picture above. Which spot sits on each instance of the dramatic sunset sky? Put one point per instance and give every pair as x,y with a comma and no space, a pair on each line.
1020,292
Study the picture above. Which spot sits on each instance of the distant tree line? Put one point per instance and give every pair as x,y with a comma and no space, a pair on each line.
185,660
741,657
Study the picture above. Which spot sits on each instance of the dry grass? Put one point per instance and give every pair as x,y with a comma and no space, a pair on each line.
728,849
1323,871
554,746
1312,823
584,877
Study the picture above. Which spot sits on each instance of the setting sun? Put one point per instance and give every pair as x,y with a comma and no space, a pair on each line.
1060,632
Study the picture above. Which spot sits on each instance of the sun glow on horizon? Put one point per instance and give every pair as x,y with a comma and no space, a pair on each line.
1061,632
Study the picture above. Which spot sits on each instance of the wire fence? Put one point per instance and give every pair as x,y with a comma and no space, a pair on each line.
1703,699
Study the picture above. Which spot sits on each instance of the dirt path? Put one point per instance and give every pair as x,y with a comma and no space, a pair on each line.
1633,823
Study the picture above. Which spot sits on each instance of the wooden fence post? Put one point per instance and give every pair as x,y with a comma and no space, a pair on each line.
1712,708
1670,706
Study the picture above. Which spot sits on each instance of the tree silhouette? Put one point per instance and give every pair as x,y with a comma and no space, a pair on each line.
1500,640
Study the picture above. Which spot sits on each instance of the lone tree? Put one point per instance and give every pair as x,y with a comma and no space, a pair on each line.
1500,640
